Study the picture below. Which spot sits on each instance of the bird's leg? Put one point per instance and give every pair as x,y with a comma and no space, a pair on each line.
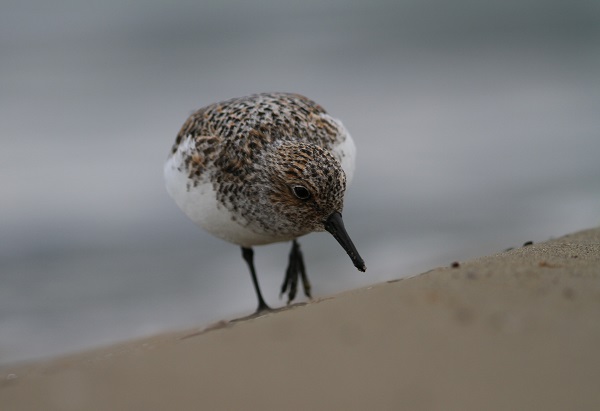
248,255
290,282
305,282
294,270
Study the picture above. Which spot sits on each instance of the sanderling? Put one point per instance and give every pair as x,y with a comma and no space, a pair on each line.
261,169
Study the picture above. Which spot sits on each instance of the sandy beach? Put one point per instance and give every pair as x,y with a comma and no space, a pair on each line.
519,330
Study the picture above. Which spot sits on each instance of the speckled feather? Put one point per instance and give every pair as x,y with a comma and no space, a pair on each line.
247,153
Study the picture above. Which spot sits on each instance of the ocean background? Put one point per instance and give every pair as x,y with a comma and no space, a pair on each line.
477,126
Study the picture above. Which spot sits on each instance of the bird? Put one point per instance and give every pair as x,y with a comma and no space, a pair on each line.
264,168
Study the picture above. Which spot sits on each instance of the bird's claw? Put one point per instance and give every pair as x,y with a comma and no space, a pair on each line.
294,270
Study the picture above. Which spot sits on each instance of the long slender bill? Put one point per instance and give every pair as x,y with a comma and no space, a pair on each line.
335,225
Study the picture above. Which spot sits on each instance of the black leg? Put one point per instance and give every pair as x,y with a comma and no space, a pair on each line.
248,255
305,282
294,270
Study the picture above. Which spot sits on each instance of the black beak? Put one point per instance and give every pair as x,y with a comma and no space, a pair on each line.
335,226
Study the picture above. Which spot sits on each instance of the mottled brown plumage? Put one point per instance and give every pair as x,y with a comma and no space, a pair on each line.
263,168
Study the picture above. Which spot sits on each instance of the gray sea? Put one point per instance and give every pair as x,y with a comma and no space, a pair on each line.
477,126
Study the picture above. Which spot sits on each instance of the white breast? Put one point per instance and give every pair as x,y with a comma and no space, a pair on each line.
200,204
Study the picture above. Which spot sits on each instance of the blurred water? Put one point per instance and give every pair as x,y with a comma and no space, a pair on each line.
477,128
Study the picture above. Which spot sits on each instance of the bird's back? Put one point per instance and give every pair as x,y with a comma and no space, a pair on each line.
244,124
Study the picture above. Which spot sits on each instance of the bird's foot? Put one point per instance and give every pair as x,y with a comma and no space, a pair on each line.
262,308
294,271
260,311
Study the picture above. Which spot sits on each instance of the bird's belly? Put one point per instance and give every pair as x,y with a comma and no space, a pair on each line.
200,204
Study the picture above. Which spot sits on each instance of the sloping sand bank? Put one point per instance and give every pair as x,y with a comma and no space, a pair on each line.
514,331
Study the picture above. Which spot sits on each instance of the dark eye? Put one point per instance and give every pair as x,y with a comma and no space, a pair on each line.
301,192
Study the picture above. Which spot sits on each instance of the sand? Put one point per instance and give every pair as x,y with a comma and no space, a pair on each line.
518,330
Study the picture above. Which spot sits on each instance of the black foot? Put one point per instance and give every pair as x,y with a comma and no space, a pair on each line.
262,308
248,255
294,270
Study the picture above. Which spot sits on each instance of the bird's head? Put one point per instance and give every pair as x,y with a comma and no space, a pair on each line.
306,190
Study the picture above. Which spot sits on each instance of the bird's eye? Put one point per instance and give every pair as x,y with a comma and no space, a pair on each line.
301,192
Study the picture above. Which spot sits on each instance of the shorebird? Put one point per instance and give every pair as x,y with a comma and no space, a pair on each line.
261,169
